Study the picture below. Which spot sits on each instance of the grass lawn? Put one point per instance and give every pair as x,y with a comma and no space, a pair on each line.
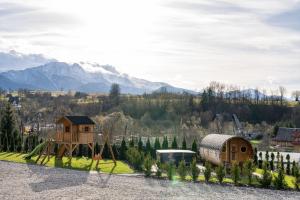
78,163
255,142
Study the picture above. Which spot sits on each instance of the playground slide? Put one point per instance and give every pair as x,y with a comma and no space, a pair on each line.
36,150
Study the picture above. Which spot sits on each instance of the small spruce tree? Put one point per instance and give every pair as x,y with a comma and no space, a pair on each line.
148,162
131,142
293,167
148,147
266,179
235,173
182,170
140,145
194,146
157,144
220,173
272,161
288,164
248,169
174,144
195,171
260,161
255,158
159,168
183,144
165,144
207,171
123,150
279,181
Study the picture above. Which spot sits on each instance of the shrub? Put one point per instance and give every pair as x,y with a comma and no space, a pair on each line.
171,170
266,179
249,168
279,181
195,171
159,169
148,165
135,158
220,172
182,170
297,177
207,171
235,172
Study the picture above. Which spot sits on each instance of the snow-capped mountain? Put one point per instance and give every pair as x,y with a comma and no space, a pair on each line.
82,76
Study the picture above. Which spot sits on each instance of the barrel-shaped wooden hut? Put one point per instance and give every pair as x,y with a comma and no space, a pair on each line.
224,149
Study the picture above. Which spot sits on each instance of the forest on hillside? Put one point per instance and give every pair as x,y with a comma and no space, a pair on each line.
162,113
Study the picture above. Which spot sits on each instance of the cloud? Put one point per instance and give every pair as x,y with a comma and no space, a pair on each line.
15,60
288,19
236,42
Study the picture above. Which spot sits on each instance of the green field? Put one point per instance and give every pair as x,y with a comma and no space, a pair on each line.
82,163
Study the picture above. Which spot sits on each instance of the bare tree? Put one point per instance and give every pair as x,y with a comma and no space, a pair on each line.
296,95
282,91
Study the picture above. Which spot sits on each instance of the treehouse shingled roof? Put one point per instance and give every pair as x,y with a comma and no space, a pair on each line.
80,120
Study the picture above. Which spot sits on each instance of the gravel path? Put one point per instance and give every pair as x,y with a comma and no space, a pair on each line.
21,181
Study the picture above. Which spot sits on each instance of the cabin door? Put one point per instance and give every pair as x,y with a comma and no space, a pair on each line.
233,152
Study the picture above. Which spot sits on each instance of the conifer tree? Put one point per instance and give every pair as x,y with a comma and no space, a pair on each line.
194,146
272,161
278,160
267,158
131,142
294,168
165,144
288,164
174,144
255,158
140,145
7,126
148,147
123,150
157,144
183,144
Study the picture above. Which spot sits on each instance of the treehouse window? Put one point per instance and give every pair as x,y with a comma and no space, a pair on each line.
243,149
67,129
224,149
86,129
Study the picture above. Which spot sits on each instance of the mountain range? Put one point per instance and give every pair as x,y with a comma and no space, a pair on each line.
83,76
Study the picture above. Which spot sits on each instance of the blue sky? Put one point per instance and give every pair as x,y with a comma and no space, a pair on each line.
187,43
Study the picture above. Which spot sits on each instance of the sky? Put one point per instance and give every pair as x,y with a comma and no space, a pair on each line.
187,43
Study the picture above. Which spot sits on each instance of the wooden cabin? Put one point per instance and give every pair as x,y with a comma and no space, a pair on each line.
224,149
287,138
72,131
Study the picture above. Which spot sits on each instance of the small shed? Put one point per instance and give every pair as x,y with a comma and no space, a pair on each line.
175,155
224,149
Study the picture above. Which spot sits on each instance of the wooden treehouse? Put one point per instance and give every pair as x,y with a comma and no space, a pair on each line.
70,132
